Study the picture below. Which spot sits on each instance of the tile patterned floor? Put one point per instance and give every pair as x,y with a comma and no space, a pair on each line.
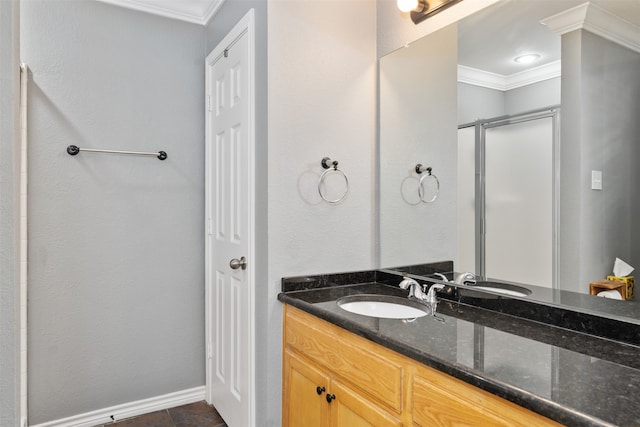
197,414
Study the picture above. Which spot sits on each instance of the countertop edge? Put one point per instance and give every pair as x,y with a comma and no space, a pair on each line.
528,400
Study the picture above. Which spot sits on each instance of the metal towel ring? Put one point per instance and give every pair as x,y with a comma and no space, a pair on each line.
331,166
421,185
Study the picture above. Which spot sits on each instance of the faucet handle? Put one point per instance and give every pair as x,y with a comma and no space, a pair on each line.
431,295
406,282
441,277
416,290
464,278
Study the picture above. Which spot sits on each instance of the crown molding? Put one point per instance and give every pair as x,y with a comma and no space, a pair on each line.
476,77
593,18
211,11
195,12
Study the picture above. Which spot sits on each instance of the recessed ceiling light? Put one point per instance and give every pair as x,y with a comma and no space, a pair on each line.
527,59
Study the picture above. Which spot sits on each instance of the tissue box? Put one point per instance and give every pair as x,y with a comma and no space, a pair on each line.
608,285
629,287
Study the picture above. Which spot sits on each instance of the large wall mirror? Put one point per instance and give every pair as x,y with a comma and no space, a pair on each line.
523,169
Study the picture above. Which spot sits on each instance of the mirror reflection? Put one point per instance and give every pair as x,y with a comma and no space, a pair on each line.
531,129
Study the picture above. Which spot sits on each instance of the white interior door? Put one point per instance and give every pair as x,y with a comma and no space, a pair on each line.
230,218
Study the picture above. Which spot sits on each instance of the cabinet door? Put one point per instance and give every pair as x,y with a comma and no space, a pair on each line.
363,365
302,405
348,409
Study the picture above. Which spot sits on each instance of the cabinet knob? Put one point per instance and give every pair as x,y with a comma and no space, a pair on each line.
330,397
320,390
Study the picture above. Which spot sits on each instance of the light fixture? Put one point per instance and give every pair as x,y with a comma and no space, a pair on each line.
422,9
527,59
410,5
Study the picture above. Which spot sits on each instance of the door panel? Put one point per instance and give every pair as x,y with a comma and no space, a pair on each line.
349,409
506,189
519,202
219,311
228,192
466,259
302,405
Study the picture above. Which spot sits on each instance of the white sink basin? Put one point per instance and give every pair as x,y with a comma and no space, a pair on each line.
385,307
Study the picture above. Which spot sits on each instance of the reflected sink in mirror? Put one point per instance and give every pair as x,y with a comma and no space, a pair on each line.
382,306
501,288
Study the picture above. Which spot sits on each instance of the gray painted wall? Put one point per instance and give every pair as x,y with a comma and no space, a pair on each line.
476,102
116,242
530,97
9,148
267,402
600,131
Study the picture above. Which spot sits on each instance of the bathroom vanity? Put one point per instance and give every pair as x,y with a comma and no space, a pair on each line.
467,362
332,374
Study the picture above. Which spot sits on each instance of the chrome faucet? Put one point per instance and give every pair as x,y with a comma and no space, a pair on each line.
415,288
432,299
464,278
416,291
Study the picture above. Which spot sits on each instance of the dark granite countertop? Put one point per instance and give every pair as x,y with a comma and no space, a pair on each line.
568,376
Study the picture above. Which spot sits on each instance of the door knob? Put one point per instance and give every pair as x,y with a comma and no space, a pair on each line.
236,263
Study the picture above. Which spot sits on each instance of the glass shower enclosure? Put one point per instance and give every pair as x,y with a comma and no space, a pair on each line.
508,181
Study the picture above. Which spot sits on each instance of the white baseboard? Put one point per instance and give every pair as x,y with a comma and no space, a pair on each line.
131,409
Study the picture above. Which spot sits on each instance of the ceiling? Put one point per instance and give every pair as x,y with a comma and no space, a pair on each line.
195,11
491,38
488,40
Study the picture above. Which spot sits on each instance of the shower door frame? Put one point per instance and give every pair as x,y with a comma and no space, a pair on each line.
481,126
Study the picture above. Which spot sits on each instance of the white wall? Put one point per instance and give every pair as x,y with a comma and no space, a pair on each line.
9,149
322,85
116,291
418,124
321,103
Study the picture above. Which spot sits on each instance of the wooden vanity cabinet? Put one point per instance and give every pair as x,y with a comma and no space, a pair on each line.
315,399
332,377
441,400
